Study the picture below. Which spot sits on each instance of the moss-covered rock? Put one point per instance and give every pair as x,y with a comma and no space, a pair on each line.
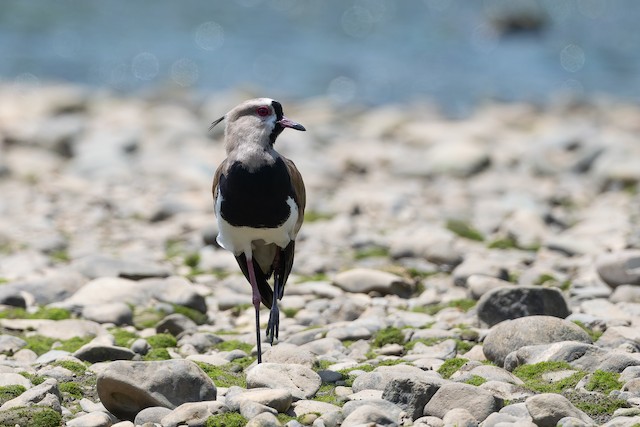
34,416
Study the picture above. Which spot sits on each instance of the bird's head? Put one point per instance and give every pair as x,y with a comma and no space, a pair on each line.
260,120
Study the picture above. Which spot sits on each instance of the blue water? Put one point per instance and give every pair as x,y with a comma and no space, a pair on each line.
367,51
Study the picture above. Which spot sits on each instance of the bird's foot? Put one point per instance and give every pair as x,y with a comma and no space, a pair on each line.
274,324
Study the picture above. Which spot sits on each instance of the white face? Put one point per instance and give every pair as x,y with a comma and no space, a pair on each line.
256,113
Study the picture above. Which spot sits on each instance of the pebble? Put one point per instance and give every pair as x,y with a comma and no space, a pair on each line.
126,387
512,302
511,335
120,246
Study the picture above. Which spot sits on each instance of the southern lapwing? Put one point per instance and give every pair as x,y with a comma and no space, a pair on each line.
259,200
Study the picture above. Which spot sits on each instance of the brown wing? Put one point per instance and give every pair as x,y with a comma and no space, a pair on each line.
300,194
216,180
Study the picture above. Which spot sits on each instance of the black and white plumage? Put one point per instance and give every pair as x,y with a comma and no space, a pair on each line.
259,200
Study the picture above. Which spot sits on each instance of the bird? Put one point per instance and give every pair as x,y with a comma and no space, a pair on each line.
259,200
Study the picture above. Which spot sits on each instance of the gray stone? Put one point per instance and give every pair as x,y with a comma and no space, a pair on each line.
176,324
512,302
284,353
117,313
459,417
265,419
479,284
368,415
93,353
47,288
618,362
94,266
620,268
202,341
547,409
10,378
278,399
11,344
45,394
510,335
383,375
152,414
125,388
409,394
301,381
617,336
70,328
140,346
361,280
250,409
193,413
625,293
302,407
93,419
494,373
578,354
478,402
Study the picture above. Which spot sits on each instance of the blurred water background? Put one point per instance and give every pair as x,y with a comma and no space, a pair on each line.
454,52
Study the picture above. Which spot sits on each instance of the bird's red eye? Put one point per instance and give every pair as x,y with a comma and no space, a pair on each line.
263,111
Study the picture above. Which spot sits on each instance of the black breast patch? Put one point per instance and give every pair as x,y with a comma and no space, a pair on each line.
256,199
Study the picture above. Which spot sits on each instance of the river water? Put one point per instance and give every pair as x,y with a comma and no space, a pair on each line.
454,52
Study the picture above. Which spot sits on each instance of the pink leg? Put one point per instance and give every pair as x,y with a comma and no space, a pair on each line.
256,302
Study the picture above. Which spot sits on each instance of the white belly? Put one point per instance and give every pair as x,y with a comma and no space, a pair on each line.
239,239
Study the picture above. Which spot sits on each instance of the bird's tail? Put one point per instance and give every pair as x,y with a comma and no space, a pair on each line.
266,294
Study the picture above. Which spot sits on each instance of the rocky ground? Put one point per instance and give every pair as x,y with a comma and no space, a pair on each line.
483,271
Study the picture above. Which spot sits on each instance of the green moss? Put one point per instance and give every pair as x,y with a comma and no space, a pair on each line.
60,255
370,252
35,379
594,335
228,419
450,366
348,378
598,407
230,345
192,260
284,418
476,380
604,382
72,388
147,318
508,242
50,313
224,376
73,344
463,229
35,416
123,337
10,392
290,312
532,377
162,341
386,336
544,278
463,304
75,367
327,393
193,314
313,216
243,362
39,343
157,354
3,280
317,277
320,365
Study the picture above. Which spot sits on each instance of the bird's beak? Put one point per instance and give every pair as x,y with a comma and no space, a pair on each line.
290,124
